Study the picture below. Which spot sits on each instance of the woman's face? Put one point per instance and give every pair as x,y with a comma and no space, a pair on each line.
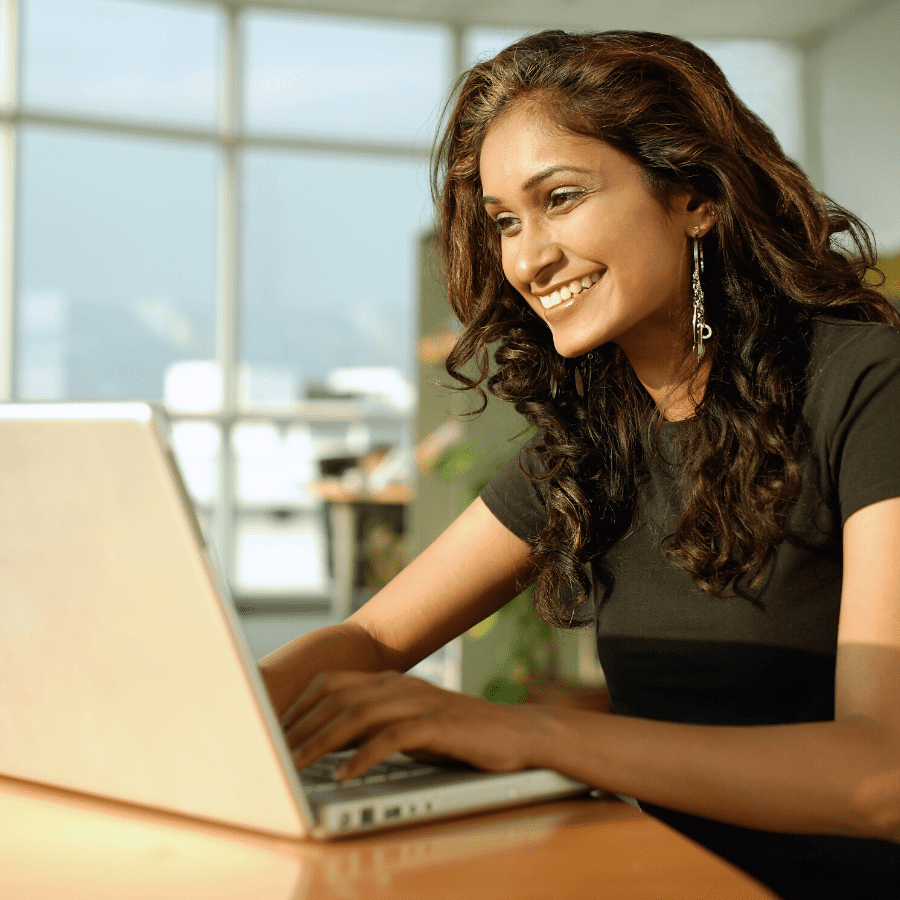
585,242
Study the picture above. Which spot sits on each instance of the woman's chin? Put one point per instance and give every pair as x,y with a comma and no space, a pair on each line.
572,349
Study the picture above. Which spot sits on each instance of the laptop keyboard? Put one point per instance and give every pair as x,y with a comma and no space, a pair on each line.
319,777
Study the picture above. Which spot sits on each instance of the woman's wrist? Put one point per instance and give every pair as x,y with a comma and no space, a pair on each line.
288,671
557,736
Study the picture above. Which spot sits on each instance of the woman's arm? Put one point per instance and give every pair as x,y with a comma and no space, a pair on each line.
475,567
840,777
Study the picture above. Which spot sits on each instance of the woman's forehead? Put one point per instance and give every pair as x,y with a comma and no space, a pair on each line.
520,145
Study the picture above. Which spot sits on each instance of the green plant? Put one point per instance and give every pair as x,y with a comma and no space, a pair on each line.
528,654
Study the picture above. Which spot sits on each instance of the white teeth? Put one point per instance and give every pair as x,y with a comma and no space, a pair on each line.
573,288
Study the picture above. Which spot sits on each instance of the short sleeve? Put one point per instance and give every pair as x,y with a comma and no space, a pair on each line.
857,387
516,500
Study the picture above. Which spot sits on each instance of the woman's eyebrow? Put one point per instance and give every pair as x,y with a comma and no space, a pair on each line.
537,178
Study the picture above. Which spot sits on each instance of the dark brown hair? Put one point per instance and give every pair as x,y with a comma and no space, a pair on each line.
780,253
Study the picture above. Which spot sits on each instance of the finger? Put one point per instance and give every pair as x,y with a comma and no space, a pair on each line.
353,725
435,759
359,720
411,736
323,684
314,692
463,734
337,694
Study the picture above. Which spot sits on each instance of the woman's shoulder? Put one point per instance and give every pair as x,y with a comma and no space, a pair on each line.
851,411
834,339
852,365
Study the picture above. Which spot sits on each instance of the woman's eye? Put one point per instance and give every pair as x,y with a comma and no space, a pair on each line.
563,198
506,224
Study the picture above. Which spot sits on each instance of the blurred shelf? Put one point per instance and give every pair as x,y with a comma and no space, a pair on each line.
338,492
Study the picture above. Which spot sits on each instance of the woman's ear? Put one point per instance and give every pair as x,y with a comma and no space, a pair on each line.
697,213
708,216
700,215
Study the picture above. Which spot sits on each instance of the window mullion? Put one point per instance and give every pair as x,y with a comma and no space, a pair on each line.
228,300
9,101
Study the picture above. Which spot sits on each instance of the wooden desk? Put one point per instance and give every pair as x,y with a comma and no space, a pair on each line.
57,845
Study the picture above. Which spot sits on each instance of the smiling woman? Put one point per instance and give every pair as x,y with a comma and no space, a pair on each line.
712,483
666,107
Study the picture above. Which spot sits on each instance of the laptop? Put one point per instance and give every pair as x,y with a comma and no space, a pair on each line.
124,671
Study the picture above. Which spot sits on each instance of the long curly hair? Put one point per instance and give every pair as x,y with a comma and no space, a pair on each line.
779,254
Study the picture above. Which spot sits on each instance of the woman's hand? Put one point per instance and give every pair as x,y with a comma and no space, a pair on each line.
386,712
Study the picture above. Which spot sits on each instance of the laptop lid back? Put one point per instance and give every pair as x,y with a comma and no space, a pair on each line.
123,670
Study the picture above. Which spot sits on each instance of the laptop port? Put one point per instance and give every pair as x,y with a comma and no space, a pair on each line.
392,813
368,816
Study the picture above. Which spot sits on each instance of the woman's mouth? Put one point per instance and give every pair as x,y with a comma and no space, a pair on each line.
572,289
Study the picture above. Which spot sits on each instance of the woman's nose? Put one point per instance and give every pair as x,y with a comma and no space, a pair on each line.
535,251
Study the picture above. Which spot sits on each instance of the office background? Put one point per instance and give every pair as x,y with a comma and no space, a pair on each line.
223,206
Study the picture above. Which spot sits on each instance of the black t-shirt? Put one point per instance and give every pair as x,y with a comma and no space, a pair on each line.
673,653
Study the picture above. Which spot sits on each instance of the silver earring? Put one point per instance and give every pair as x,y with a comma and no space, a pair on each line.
583,374
702,331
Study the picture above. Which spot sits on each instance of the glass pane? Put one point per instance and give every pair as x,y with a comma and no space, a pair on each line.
130,59
766,75
282,556
197,446
352,80
117,264
4,49
331,269
275,466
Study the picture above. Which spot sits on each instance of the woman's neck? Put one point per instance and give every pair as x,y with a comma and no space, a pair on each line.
674,387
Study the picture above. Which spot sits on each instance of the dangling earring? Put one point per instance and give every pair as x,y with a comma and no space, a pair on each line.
583,374
579,382
702,331
558,387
